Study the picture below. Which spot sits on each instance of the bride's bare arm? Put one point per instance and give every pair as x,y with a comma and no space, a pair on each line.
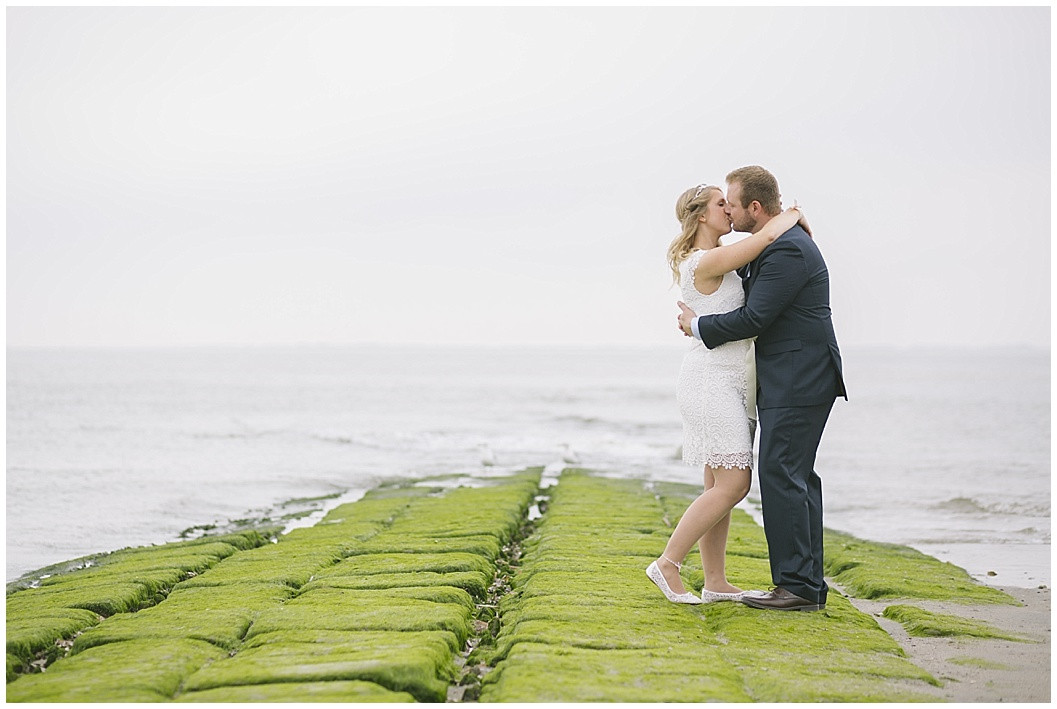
715,262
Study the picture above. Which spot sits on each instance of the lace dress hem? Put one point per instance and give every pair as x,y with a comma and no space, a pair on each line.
720,460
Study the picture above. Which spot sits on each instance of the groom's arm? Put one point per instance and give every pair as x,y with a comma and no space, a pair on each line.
782,272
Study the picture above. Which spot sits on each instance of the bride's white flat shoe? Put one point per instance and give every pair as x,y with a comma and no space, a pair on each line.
713,596
655,575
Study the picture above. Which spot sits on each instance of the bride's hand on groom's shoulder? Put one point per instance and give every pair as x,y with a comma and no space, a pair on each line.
802,222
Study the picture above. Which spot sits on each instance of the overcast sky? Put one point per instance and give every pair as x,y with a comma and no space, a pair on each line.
185,176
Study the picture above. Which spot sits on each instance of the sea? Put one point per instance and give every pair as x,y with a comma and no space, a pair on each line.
944,450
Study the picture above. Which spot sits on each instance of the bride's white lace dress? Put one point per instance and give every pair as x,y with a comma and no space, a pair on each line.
717,387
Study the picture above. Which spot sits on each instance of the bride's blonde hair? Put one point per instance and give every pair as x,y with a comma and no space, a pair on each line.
690,205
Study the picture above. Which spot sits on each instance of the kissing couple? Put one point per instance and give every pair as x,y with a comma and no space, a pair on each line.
772,286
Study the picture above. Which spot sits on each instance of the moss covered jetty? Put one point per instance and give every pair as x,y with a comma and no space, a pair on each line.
454,588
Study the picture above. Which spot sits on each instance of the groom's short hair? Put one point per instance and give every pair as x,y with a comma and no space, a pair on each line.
759,185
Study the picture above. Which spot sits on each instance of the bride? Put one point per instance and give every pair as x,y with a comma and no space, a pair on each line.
716,389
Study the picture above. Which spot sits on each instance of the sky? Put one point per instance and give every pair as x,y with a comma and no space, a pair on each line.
504,176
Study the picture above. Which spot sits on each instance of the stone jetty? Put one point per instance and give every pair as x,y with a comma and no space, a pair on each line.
519,587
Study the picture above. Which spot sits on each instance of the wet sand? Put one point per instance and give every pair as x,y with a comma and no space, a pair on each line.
983,669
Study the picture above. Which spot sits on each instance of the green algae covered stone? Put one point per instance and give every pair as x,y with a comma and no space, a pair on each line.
543,672
923,623
284,563
395,615
367,564
219,615
583,622
98,597
336,692
473,582
483,545
132,671
876,570
34,633
417,663
375,599
80,591
839,654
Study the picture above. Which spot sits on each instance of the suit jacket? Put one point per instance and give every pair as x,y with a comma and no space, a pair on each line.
787,310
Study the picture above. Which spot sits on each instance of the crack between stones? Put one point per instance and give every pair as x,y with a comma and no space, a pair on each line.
487,620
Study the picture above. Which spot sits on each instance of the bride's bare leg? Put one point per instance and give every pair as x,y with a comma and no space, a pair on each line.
713,557
713,546
712,506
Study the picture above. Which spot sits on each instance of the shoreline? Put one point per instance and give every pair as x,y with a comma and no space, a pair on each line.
1028,567
1030,562
983,669
1025,566
486,588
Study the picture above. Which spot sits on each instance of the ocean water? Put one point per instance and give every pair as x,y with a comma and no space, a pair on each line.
947,451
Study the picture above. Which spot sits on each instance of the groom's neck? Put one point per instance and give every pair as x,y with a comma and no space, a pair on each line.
762,222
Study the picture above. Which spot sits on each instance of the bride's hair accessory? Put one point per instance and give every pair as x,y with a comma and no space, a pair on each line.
701,188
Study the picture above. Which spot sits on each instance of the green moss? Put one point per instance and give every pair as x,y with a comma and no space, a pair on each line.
343,692
564,637
881,571
284,563
359,639
839,654
141,558
157,582
103,598
474,582
923,623
367,564
219,615
15,665
340,597
486,546
138,670
73,594
27,636
418,663
379,506
395,615
176,561
291,612
221,628
318,498
543,672
979,662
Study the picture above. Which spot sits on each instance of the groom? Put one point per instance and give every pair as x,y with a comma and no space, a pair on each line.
798,370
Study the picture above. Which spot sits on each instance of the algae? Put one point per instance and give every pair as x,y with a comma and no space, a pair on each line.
339,691
376,601
365,565
417,663
583,623
473,582
400,569
131,671
923,623
545,672
979,662
875,570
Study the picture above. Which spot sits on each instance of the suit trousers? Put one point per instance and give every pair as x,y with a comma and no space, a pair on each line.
791,493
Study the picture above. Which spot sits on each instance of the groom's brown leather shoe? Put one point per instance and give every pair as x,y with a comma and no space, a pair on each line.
782,600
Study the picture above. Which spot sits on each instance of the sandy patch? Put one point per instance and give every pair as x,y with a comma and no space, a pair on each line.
978,669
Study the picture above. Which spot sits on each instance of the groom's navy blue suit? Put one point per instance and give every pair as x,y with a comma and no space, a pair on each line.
798,372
